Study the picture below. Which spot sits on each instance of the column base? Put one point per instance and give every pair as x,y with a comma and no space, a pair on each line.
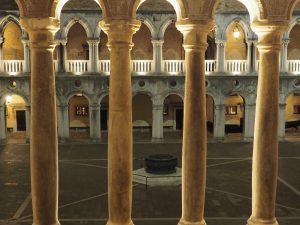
3,141
184,222
111,223
63,140
95,140
281,138
218,139
248,139
255,221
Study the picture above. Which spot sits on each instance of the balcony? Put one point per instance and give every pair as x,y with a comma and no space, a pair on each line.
144,67
12,67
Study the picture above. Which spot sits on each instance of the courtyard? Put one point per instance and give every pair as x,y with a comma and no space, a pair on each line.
83,185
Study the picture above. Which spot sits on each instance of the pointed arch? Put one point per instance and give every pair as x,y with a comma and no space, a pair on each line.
180,7
164,26
241,22
7,20
76,19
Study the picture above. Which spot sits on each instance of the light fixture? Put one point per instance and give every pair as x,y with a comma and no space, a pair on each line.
8,99
236,31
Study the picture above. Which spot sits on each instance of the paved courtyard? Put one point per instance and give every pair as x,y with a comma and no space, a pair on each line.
83,185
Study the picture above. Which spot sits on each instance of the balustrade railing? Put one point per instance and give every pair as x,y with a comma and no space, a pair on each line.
77,66
104,66
173,66
210,66
237,66
12,66
294,66
142,66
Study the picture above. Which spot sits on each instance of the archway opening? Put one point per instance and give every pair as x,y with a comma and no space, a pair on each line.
12,49
234,116
77,47
173,116
79,119
293,51
16,122
292,116
142,116
104,107
210,108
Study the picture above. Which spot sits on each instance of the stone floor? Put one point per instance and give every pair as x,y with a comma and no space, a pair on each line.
83,185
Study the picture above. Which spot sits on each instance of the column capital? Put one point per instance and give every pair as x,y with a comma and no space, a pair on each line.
41,31
282,105
63,107
94,107
157,106
219,106
221,42
285,41
157,41
269,34
195,33
119,32
93,41
61,41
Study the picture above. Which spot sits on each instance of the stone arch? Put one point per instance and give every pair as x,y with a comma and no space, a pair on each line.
142,111
240,21
164,27
102,96
254,8
77,19
9,19
180,7
148,93
58,6
73,93
145,20
14,92
168,93
289,93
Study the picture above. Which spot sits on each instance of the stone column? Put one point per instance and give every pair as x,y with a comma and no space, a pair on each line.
1,55
219,122
27,113
43,139
120,34
157,122
265,144
93,54
283,56
63,59
194,143
249,55
282,108
220,55
63,123
95,129
157,55
27,63
249,122
254,67
2,125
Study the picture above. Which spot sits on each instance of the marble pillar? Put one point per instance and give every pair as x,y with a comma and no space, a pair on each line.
194,146
26,66
95,129
158,123
120,34
63,123
43,139
157,55
1,54
249,122
93,54
265,144
283,56
281,130
219,122
220,55
249,56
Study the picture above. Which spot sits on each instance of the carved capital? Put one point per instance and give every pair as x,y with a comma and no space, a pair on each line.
41,31
119,32
269,34
195,33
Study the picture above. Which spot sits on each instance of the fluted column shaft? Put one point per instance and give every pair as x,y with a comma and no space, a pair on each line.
157,55
265,146
26,55
194,130
219,122
220,55
95,129
93,54
283,58
158,123
120,34
43,140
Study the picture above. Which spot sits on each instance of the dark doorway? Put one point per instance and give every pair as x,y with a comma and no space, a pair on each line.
21,120
104,118
179,119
